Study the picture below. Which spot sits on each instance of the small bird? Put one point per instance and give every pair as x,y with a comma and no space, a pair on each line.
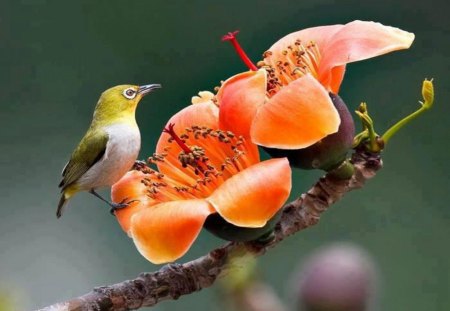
110,146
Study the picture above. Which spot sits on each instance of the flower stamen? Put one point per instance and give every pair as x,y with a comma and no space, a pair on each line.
225,148
216,156
294,62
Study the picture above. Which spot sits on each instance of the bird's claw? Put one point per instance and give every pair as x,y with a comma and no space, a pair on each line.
122,204
138,164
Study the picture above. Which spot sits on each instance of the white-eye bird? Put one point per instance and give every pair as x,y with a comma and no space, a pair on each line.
110,146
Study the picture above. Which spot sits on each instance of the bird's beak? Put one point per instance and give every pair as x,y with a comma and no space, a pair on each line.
145,89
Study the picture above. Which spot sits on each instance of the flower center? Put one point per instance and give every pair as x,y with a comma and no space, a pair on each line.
294,62
216,156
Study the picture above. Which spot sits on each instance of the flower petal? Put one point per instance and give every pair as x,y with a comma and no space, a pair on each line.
360,40
129,187
299,115
252,197
165,232
238,98
319,35
334,80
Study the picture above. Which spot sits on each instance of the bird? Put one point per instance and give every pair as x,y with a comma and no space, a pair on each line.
109,148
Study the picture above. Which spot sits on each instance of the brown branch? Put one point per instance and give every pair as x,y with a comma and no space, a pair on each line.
175,280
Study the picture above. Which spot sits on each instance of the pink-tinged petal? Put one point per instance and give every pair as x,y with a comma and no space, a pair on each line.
319,35
299,115
361,40
253,196
128,188
165,232
238,98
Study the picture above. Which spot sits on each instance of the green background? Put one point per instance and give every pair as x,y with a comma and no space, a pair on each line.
56,57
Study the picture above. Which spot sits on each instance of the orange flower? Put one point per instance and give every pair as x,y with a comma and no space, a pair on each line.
286,103
202,171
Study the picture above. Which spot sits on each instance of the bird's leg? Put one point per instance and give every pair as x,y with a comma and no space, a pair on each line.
114,206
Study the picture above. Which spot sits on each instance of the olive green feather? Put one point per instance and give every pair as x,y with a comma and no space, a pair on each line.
90,150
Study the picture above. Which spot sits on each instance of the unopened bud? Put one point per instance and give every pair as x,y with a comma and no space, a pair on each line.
340,277
428,93
362,108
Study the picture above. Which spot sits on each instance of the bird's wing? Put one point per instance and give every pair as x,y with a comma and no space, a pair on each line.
90,150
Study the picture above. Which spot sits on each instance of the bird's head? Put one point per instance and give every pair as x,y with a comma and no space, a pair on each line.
121,101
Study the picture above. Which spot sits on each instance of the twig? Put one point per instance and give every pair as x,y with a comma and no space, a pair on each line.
175,280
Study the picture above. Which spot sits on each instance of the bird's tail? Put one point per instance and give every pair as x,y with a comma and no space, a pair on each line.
61,204
66,194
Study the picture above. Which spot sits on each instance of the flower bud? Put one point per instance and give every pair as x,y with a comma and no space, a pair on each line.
340,277
428,93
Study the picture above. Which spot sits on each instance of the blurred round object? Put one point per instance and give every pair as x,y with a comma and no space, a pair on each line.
339,277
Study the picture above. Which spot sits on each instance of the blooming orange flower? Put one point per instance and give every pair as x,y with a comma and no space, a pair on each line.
286,103
201,171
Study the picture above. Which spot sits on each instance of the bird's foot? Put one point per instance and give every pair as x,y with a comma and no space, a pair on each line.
138,164
117,206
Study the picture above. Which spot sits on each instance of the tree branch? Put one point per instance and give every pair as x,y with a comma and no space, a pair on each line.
175,280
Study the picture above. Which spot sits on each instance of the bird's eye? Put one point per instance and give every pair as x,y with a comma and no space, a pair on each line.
129,93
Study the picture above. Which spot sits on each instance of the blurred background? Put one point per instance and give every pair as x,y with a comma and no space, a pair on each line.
56,57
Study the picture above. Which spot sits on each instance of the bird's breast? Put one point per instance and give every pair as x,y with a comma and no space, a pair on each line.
122,150
124,142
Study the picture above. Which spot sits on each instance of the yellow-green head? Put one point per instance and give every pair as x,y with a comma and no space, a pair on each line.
120,102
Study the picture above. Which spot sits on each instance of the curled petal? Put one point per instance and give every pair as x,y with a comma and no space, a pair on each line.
252,197
128,188
360,40
304,108
238,98
165,232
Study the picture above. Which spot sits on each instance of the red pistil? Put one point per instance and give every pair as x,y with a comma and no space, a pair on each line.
231,36
169,130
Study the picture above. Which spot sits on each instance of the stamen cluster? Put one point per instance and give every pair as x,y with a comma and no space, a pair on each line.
296,61
228,157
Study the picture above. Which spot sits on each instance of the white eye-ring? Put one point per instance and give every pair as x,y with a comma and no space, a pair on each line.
129,93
